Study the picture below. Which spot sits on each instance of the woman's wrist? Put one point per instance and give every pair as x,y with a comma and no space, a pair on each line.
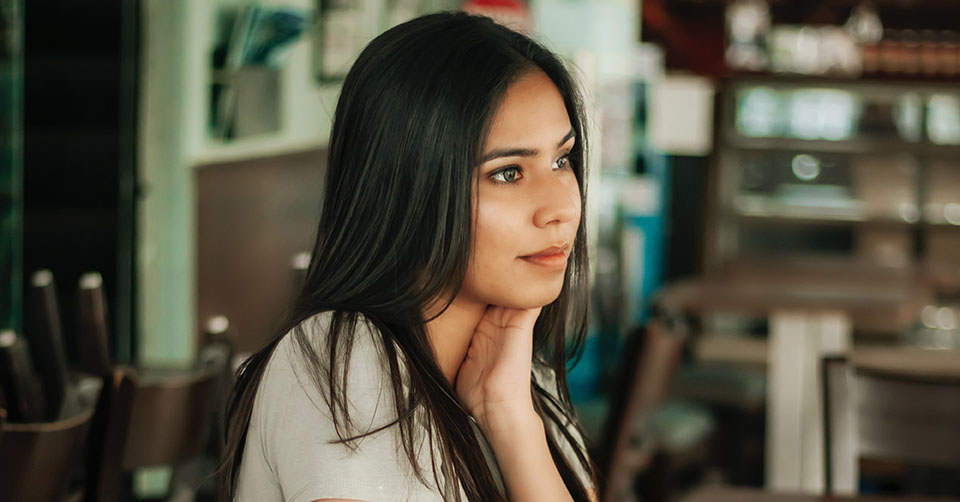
510,432
519,442
510,422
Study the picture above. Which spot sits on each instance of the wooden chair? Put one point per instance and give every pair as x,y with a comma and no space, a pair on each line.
37,459
219,353
650,358
144,417
46,342
886,415
93,346
150,420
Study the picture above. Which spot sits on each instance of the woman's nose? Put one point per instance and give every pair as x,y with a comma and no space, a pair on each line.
558,200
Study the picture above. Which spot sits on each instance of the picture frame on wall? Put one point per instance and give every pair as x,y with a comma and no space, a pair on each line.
343,28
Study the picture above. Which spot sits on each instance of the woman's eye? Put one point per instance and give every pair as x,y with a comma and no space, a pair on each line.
562,162
506,175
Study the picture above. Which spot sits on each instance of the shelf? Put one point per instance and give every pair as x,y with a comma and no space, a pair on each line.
872,82
763,208
853,146
810,218
773,212
877,195
941,224
255,147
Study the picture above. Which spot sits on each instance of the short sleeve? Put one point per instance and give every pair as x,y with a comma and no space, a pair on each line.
293,438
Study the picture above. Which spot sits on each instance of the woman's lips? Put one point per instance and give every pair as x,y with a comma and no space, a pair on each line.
558,260
552,258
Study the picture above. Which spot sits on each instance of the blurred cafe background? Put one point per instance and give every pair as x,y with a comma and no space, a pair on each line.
774,222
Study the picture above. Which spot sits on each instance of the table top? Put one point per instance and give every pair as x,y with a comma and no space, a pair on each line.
876,298
729,494
898,360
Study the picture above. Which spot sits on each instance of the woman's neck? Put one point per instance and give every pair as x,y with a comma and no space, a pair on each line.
450,333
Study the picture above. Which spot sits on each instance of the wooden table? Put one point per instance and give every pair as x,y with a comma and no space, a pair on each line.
902,360
874,299
728,494
812,309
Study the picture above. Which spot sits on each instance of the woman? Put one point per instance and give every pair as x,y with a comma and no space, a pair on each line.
425,357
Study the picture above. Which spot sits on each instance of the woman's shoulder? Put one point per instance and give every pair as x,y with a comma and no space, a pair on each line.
294,436
317,327
357,352
296,386
311,338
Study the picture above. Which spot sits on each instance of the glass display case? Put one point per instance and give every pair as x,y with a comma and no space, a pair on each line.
11,162
837,168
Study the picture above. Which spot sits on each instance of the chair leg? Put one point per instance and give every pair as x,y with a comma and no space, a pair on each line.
654,484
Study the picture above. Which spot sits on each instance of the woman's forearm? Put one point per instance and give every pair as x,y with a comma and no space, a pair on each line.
520,445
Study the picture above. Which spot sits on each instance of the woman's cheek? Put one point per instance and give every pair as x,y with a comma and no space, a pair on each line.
500,234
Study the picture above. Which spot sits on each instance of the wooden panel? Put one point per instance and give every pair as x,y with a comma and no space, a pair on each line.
253,217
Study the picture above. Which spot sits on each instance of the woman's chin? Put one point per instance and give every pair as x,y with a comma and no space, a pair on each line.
531,300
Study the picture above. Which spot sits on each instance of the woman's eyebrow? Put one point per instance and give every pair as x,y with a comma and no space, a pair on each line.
520,152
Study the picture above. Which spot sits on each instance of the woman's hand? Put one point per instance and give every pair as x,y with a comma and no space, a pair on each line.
494,385
494,379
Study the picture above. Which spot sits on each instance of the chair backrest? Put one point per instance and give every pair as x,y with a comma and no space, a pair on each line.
889,416
93,340
108,434
20,388
46,343
169,419
648,366
217,356
151,418
36,459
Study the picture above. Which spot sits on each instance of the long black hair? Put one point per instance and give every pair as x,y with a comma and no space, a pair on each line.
394,235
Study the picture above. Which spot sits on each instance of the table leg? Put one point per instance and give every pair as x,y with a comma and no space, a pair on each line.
798,339
784,407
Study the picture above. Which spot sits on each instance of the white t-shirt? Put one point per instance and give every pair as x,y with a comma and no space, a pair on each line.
289,455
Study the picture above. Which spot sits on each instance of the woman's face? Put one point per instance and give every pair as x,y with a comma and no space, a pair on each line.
526,200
